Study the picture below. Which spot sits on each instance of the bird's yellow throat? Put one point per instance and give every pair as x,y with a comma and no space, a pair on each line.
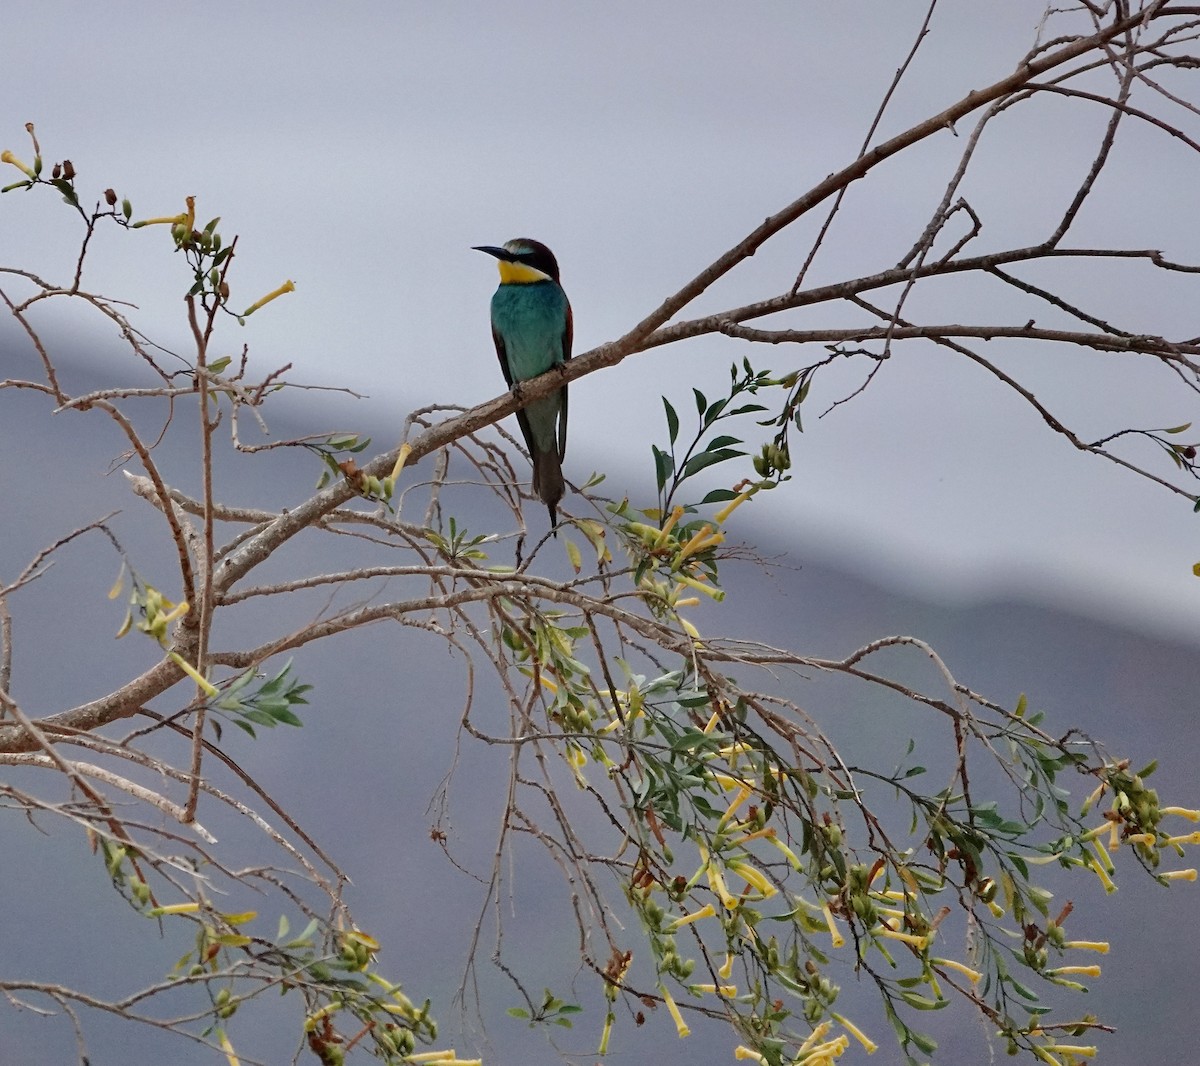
520,274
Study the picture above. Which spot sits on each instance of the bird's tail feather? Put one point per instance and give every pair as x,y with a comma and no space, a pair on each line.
548,482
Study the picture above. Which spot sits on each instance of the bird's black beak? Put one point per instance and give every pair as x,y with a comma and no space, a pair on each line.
500,253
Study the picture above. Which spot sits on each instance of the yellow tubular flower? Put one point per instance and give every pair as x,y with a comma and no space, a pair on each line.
758,834
792,858
717,883
1179,875
694,583
1082,971
723,514
401,459
210,690
707,911
287,286
738,800
868,1044
609,1018
1088,803
754,878
162,220
703,538
1101,873
668,525
834,935
7,157
227,1048
918,942
727,782
726,967
1087,945
174,908
815,1037
1078,1050
974,976
741,1053
827,1052
443,1058
1183,812
680,1025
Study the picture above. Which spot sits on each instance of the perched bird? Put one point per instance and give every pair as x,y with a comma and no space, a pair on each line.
532,328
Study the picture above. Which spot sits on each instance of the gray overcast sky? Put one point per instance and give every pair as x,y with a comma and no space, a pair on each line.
362,148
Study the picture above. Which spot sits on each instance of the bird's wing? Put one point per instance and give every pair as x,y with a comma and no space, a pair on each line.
503,356
568,338
522,417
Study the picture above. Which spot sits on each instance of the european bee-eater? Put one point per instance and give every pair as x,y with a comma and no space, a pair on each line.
532,328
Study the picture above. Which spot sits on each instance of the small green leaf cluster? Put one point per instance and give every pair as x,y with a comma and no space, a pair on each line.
541,638
153,612
746,856
330,448
268,705
551,1011
676,464
457,544
332,970
673,546
62,178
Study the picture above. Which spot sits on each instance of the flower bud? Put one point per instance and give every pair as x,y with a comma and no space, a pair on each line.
110,197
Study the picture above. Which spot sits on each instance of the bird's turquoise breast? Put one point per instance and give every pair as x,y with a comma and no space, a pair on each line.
532,319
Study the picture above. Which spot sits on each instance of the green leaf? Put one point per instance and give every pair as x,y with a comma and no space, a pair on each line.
517,1012
672,420
1022,991
664,466
714,412
701,401
722,442
282,714
705,459
920,1002
305,938
719,496
925,1043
